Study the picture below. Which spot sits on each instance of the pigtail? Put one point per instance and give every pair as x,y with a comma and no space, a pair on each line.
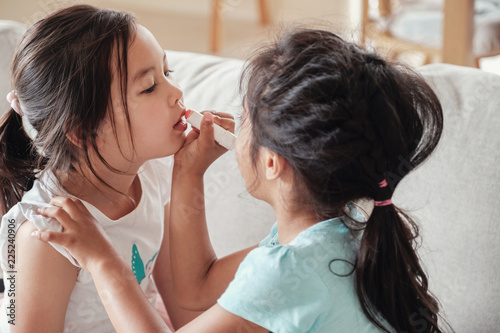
18,160
390,282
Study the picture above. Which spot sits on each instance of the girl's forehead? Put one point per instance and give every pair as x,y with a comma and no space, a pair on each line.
144,47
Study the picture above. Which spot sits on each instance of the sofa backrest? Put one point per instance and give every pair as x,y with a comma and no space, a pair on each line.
455,196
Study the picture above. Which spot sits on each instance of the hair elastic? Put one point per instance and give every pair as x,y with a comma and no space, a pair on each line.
387,202
14,102
383,203
13,99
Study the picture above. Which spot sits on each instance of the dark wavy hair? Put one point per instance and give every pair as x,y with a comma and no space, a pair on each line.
344,119
62,73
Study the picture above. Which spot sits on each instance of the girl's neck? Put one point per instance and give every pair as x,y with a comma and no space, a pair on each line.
293,222
114,202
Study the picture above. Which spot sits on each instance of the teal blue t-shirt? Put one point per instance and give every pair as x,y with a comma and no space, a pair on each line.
303,286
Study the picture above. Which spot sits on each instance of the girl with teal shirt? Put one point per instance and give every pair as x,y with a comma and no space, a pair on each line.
325,125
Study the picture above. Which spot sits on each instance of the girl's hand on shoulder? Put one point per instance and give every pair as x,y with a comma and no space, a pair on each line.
200,149
82,235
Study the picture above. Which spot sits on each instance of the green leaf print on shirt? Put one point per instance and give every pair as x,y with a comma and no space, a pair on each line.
140,270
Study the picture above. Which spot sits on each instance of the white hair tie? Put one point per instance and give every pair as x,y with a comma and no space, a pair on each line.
13,99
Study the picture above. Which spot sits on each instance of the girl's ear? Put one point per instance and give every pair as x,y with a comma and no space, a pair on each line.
75,137
274,164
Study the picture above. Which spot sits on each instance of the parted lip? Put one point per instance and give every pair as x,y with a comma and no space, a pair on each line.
183,113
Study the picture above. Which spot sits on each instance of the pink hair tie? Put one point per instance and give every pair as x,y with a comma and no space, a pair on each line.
387,202
383,183
383,203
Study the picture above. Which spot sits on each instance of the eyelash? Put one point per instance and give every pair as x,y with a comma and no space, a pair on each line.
152,88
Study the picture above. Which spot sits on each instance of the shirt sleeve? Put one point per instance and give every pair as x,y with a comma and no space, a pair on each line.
21,213
276,289
164,167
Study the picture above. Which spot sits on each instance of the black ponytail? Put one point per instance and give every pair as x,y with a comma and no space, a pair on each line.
18,160
390,281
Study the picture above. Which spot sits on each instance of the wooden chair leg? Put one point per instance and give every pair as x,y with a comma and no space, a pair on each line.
427,59
393,55
216,26
364,23
263,11
476,62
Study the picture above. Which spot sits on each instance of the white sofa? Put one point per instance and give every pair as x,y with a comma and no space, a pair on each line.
454,195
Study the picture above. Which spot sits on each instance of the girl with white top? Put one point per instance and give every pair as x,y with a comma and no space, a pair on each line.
94,111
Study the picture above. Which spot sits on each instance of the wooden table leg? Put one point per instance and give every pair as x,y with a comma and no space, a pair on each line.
458,32
216,26
263,11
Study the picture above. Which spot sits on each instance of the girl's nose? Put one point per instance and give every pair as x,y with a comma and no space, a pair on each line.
174,94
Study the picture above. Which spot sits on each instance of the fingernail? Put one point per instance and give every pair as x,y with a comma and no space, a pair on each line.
207,117
35,234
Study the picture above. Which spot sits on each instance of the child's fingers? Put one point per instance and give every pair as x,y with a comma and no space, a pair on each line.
223,119
55,212
60,214
50,236
224,115
226,123
192,136
207,130
72,206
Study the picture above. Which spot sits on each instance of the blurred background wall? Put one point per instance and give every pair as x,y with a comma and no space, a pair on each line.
185,24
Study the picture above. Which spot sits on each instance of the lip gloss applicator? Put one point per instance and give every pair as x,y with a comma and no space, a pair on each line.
223,137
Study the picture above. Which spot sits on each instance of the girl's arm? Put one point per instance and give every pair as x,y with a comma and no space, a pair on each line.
83,237
162,274
44,282
125,303
199,276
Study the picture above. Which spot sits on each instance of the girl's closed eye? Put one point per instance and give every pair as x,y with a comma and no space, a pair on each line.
152,88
